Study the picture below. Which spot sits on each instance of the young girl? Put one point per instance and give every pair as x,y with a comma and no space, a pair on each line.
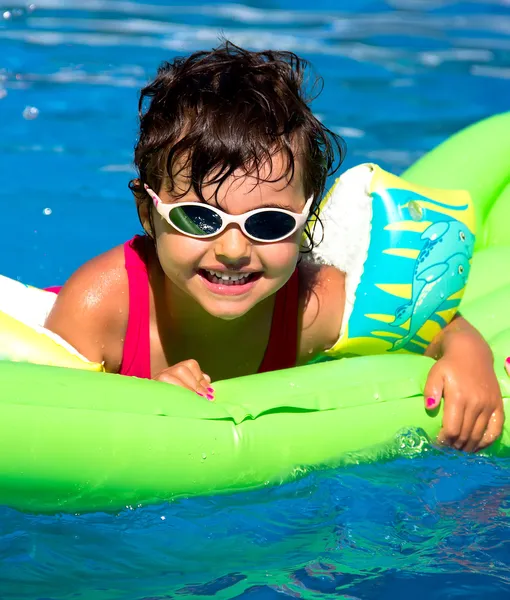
231,164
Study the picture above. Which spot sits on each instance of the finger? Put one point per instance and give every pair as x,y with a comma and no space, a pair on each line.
471,412
433,391
204,381
476,433
183,374
452,421
208,389
194,367
494,428
173,380
507,365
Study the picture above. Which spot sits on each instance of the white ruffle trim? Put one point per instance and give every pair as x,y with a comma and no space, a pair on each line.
347,224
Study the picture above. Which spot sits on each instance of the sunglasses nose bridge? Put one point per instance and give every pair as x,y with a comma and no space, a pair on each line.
237,222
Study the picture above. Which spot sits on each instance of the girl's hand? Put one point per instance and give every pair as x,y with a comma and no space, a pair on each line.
188,374
473,410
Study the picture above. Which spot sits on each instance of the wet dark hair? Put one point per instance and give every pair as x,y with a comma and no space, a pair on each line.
215,112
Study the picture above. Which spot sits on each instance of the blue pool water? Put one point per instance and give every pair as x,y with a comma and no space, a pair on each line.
400,76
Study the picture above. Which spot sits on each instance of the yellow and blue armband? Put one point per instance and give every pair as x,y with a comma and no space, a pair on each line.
406,251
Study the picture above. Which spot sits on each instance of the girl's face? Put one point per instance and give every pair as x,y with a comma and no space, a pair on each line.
196,266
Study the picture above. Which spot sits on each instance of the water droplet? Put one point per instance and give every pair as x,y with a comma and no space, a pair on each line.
31,7
30,113
162,517
3,93
415,210
7,15
204,456
47,212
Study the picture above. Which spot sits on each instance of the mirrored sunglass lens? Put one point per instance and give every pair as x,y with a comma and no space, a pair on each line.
195,220
270,225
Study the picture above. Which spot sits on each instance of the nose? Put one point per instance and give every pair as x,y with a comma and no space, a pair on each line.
233,248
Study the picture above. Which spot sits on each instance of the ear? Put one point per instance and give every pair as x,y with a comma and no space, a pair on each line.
144,216
143,206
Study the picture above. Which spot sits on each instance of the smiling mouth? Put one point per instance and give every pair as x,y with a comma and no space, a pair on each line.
230,279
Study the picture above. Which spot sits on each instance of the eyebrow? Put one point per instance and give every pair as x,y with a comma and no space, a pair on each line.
282,206
196,200
272,205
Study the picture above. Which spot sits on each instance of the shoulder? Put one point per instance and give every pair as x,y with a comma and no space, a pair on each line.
322,303
92,309
98,276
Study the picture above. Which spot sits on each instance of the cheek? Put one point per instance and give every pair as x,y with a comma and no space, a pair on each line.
280,257
178,254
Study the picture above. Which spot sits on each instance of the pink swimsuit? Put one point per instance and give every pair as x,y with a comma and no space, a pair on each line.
280,352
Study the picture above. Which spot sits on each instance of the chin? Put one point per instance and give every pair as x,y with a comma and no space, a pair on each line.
226,313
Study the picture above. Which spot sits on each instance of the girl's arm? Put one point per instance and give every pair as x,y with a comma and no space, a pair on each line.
464,376
322,302
91,310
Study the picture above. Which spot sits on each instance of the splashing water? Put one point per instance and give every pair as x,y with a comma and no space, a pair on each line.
368,531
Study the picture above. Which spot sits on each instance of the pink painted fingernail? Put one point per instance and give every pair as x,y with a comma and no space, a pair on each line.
210,390
431,402
199,394
210,397
508,361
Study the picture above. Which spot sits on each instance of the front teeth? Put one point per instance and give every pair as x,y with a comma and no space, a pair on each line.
225,277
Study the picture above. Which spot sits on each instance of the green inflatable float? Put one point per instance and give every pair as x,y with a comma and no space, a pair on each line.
75,440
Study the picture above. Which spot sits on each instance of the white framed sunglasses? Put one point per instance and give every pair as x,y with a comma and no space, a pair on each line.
202,221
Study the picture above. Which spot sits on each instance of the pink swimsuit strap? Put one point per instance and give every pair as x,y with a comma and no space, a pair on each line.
280,352
136,356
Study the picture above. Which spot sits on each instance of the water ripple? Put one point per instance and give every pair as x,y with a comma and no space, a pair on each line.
343,530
